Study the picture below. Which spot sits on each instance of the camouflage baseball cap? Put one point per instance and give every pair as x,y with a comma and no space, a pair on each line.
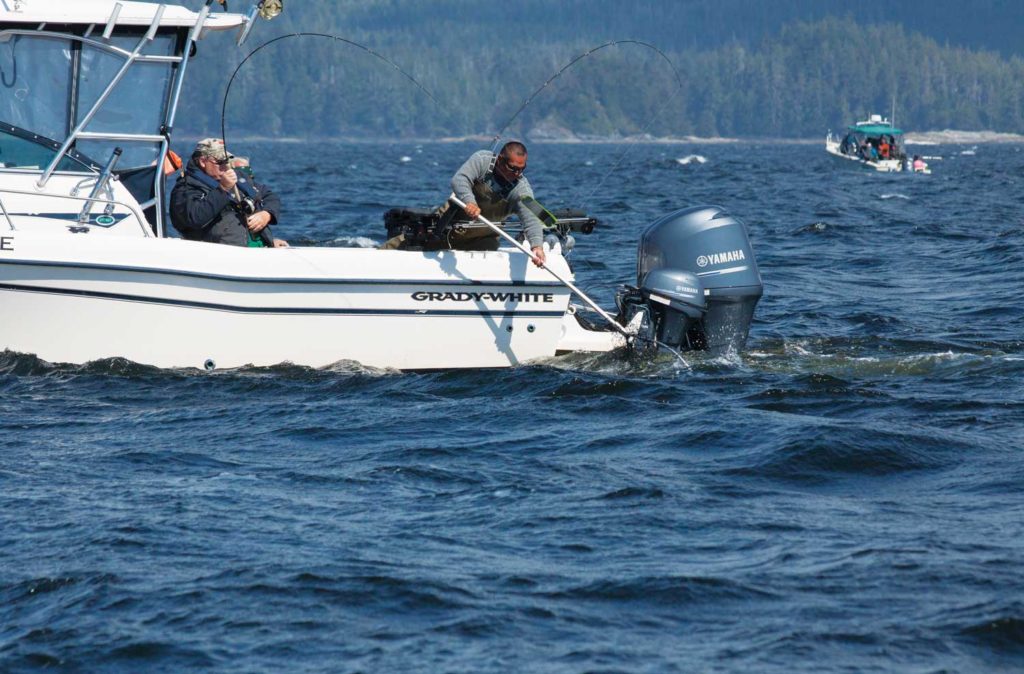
213,148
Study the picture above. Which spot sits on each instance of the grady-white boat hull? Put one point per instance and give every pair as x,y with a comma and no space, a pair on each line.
87,270
186,304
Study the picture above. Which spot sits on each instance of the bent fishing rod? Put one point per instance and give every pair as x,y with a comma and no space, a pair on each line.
577,59
627,332
338,38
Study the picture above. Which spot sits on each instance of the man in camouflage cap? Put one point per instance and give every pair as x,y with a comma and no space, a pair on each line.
212,148
210,203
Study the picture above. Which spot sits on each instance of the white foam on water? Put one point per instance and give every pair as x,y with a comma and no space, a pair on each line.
405,159
690,158
797,349
356,241
895,195
227,475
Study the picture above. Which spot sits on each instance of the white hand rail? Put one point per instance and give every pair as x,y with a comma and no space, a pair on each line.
143,224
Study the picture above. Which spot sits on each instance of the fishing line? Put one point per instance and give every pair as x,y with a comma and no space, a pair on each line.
224,104
629,147
679,80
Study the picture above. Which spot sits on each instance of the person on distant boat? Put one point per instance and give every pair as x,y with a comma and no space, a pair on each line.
920,166
849,144
210,202
883,148
492,186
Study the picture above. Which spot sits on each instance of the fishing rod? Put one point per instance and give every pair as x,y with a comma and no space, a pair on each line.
628,332
573,62
353,43
577,59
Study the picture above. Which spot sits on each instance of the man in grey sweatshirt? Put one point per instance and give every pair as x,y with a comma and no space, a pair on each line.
494,186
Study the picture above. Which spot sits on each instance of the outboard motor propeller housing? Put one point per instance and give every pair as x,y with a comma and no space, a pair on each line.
697,281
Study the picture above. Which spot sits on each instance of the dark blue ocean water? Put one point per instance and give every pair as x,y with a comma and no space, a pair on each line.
847,495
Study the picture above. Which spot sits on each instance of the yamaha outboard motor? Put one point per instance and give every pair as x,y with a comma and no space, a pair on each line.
697,282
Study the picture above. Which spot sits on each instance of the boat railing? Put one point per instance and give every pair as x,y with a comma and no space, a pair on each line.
88,202
130,58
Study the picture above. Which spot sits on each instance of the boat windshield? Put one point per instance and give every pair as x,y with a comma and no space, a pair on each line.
25,150
49,84
35,76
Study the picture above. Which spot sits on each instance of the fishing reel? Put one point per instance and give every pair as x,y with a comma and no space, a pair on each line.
563,222
417,226
247,206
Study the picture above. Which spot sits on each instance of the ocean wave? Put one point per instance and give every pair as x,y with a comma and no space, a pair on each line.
1004,634
813,228
630,493
383,591
26,364
667,590
849,450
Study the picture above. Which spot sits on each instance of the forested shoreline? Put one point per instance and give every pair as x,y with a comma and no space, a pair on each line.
780,77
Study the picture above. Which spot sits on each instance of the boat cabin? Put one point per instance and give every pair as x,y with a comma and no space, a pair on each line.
874,139
88,94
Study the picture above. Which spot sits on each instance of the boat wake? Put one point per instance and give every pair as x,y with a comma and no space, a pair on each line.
871,358
29,365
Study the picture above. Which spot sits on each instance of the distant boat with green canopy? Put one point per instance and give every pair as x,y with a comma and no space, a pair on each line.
873,143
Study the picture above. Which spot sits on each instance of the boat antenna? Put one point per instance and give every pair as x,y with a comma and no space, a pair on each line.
371,52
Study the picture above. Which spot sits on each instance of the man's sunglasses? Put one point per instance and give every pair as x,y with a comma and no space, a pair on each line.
219,162
512,169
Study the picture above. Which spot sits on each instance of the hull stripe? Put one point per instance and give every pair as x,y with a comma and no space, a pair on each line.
305,281
317,311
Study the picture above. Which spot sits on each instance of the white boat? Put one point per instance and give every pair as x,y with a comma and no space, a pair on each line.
88,271
874,144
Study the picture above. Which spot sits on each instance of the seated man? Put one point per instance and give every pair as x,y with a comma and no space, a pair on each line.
210,203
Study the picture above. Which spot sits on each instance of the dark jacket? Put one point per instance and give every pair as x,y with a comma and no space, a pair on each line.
202,211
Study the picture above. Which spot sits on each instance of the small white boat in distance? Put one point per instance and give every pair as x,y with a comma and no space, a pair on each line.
87,270
873,143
